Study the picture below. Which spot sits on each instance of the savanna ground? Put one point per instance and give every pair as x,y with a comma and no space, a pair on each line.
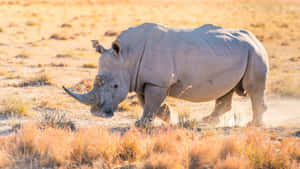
46,44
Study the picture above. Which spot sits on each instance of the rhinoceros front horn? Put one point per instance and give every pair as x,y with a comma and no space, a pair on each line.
87,98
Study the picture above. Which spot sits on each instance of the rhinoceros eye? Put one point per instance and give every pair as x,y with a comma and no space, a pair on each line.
116,86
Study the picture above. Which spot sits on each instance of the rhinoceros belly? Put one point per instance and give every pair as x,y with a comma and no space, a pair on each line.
206,79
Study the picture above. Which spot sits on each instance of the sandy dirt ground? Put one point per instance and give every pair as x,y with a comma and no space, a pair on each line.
53,40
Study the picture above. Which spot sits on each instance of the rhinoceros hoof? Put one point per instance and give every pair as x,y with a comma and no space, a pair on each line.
211,120
143,123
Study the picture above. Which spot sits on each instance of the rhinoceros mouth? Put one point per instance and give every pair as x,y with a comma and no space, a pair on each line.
99,112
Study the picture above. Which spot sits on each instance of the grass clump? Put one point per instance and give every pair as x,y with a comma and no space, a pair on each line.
15,106
32,23
22,55
125,105
164,148
5,160
89,65
57,120
84,85
64,55
39,80
3,72
185,121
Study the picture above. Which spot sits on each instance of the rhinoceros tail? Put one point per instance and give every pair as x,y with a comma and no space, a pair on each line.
239,89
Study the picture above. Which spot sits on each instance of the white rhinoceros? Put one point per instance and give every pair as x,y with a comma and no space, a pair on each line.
198,65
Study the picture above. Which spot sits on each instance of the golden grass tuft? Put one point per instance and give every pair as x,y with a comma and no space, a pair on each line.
15,106
92,144
204,156
31,23
5,160
162,161
61,36
233,162
40,79
64,55
167,148
3,72
22,55
125,105
89,65
84,85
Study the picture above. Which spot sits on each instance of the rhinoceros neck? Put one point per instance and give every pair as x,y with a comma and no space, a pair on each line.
133,41
136,69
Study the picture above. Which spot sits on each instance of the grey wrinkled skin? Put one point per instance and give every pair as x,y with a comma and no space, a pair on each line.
197,65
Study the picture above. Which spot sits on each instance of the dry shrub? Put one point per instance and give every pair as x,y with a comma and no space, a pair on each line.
89,65
32,23
39,80
53,146
111,33
233,162
185,120
233,145
64,55
291,147
263,152
165,148
131,147
56,120
66,25
5,160
22,55
125,105
3,72
204,153
163,161
93,143
15,106
83,85
60,36
58,64
164,143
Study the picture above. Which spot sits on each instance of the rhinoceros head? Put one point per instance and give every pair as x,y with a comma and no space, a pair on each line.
111,85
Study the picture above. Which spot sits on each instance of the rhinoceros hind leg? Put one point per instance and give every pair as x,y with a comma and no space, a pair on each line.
222,105
258,108
153,98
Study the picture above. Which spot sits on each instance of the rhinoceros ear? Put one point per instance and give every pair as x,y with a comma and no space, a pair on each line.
97,46
116,46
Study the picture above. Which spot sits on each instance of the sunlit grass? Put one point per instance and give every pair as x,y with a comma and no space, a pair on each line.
165,148
15,106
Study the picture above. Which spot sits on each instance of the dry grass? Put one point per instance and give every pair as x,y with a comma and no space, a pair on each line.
3,72
15,106
61,36
23,55
40,79
56,120
84,85
64,55
163,149
89,65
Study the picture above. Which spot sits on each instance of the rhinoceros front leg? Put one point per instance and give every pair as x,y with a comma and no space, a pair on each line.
163,112
153,98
